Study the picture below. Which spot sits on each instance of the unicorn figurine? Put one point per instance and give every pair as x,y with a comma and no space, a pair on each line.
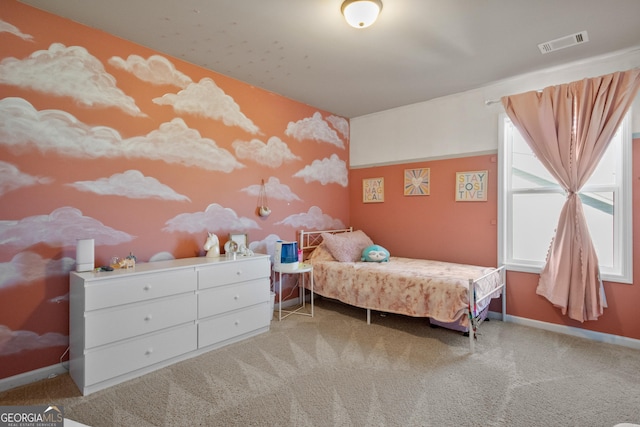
212,246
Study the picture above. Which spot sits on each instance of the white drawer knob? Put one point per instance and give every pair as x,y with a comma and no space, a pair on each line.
147,287
239,272
148,317
237,322
149,351
237,297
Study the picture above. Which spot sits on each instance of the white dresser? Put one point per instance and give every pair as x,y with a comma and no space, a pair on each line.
126,323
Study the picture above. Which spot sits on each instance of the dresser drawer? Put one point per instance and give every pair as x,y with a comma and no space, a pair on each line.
118,323
118,359
226,298
134,288
217,329
225,273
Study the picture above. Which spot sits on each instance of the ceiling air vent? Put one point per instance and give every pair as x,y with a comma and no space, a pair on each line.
563,42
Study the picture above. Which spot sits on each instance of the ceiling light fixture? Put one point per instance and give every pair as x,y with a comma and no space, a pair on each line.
361,13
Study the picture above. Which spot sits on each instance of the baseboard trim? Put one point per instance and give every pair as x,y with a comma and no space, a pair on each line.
494,315
569,330
33,376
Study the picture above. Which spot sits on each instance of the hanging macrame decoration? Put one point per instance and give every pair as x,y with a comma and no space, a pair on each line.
263,208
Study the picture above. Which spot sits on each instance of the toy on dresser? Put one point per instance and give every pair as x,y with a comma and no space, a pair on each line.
212,246
116,262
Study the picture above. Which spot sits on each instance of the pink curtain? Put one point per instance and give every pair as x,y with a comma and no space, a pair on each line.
569,127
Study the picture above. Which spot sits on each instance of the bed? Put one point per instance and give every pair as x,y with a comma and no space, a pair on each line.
455,296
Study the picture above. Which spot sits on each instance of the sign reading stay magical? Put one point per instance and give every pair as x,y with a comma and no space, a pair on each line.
373,190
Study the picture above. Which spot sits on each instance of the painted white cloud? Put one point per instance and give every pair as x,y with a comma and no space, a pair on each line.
313,219
273,154
76,73
12,342
314,128
206,99
11,178
265,246
326,171
162,256
215,218
27,267
274,190
132,184
175,142
23,127
341,124
156,70
6,27
61,228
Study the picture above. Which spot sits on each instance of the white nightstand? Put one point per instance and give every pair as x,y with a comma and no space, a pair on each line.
302,269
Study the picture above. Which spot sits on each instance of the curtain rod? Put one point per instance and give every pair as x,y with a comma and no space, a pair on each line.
497,101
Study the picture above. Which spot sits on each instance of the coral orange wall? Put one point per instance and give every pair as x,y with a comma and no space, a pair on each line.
434,226
147,163
437,227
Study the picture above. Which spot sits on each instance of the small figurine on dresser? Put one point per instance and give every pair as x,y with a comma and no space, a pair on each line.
128,262
212,246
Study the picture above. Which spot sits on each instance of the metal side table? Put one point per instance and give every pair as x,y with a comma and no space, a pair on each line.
302,269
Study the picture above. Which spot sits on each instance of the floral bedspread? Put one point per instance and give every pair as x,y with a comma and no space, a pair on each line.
413,287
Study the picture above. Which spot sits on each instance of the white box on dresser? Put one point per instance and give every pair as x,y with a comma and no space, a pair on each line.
126,323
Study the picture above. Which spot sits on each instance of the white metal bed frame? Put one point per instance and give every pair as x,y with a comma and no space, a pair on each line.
309,240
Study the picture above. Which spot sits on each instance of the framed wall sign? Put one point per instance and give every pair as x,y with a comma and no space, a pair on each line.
417,182
373,190
472,186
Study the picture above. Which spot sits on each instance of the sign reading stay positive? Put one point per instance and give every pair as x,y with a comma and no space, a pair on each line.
471,186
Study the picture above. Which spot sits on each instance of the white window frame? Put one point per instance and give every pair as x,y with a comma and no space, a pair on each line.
622,272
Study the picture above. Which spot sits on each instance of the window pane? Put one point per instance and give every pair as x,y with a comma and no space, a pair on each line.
535,218
598,210
527,171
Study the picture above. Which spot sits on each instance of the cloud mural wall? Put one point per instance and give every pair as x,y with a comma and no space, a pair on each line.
78,75
106,139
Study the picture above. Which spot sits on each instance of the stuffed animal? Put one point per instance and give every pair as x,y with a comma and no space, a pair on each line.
212,246
375,253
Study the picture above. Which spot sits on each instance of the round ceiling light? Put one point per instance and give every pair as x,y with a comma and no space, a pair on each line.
361,13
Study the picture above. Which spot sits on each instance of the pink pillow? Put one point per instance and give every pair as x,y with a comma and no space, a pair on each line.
321,253
347,247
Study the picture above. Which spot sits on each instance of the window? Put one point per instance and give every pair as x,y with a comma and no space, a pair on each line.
530,201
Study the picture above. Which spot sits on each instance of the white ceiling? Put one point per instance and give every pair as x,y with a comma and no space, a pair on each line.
418,50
